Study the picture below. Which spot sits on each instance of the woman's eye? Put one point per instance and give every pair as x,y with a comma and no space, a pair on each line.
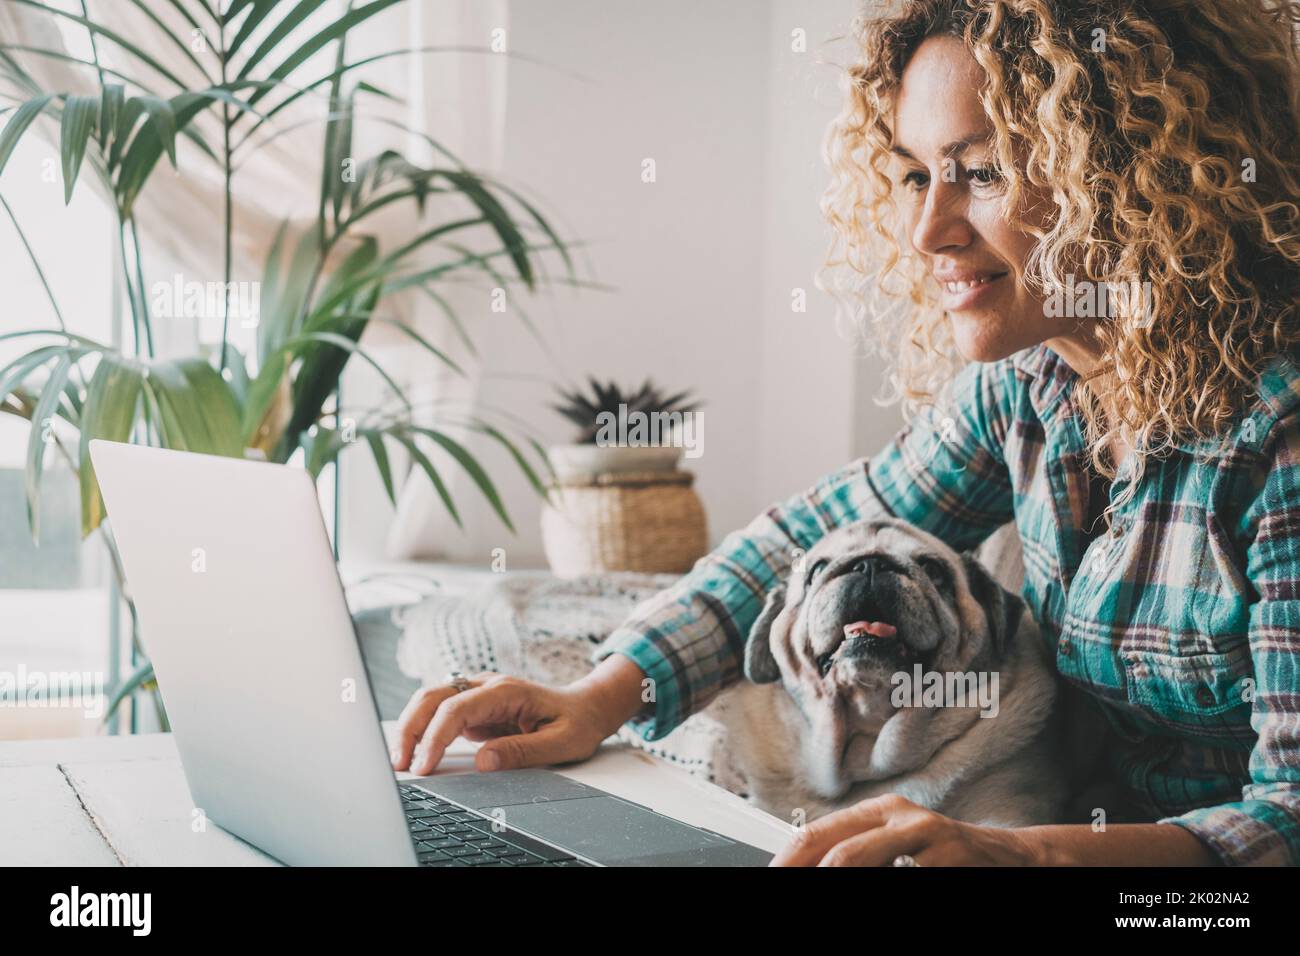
915,180
984,175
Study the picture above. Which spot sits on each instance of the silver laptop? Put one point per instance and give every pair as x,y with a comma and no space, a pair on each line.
243,615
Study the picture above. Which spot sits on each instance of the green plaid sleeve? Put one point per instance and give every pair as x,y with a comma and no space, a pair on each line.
1264,826
943,471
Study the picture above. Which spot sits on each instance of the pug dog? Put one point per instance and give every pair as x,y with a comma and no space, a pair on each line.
831,714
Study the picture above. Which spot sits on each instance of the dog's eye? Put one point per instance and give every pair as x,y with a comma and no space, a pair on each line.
817,568
936,570
824,663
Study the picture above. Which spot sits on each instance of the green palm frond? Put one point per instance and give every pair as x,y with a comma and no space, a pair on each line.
323,286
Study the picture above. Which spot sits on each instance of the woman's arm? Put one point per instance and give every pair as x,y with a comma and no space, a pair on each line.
1263,827
944,471
1125,844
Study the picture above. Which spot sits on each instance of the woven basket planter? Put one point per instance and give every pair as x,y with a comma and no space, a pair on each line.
634,521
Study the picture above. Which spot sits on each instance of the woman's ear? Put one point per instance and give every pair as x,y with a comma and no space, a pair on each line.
760,665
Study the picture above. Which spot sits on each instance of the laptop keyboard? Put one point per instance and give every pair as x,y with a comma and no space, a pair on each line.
448,835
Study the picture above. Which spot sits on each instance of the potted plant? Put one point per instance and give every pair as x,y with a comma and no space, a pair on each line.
621,430
324,283
619,500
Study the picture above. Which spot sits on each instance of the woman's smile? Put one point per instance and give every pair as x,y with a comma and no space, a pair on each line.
969,289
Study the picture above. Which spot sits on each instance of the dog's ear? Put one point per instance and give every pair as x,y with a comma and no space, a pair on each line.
760,665
1003,609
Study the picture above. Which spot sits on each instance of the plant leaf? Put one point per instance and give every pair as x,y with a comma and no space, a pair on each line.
282,301
80,120
112,98
18,123
472,468
348,345
422,460
513,240
351,276
107,34
237,369
303,53
364,87
260,9
109,413
198,410
176,41
37,443
137,679
376,442
261,394
13,374
151,140
321,448
405,329
452,317
163,118
520,460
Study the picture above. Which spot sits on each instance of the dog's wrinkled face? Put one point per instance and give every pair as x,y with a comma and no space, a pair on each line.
869,601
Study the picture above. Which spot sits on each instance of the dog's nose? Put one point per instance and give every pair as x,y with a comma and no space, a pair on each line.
871,565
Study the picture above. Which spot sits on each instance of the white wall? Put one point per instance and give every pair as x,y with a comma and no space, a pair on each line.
816,388
703,261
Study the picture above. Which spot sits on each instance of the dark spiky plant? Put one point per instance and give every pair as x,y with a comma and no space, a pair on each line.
584,410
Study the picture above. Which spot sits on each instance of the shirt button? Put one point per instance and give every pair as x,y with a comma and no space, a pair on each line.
1065,648
1204,696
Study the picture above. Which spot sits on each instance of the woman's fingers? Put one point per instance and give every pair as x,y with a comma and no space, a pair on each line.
521,725
494,703
415,717
878,847
549,744
489,732
816,839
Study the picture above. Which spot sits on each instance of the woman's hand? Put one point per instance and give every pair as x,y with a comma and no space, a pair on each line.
524,724
875,831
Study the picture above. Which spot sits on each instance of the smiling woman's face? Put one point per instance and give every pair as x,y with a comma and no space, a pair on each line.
954,203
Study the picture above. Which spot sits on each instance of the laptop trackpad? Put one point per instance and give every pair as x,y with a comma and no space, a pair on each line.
612,831
505,788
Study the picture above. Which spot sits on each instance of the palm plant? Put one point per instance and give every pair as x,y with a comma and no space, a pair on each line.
322,287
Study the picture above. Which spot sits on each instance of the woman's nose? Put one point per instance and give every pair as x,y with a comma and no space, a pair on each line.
941,225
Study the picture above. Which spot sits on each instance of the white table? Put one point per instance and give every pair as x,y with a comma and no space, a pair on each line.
123,801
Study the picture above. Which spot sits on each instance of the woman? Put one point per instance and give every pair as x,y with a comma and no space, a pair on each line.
1001,165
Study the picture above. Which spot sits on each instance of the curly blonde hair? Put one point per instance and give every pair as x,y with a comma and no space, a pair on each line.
1144,121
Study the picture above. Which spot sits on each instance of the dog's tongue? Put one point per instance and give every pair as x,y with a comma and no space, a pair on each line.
873,628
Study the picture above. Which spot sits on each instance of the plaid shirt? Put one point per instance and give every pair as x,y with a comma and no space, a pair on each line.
1182,621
